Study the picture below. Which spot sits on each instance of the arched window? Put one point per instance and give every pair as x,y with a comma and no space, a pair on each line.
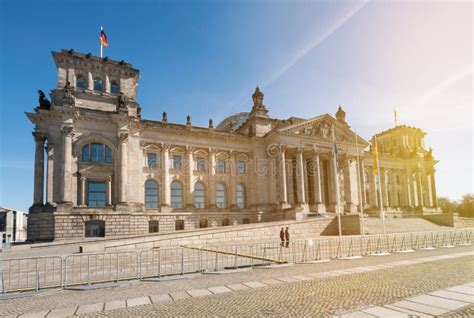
81,82
199,195
151,194
98,85
94,228
240,196
114,88
221,201
95,152
176,195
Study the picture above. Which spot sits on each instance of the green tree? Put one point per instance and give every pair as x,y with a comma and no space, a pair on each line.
466,206
447,205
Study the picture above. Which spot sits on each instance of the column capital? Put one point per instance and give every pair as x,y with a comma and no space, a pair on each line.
189,149
123,136
67,130
83,178
165,147
38,136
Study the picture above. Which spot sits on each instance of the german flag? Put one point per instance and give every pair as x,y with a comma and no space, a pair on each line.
103,38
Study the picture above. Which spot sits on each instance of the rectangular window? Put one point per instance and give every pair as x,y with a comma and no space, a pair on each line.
225,222
202,224
153,226
221,166
179,225
96,194
152,160
3,222
246,221
176,162
200,164
241,167
366,177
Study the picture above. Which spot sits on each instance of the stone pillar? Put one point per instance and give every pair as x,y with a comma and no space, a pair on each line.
165,188
300,178
109,190
420,189
107,84
283,188
190,181
318,193
362,182
83,191
50,173
212,176
39,169
123,139
433,189
90,82
68,133
233,181
409,190
351,196
384,185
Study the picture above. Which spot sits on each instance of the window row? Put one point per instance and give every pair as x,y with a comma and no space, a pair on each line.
96,228
199,164
81,82
95,152
177,199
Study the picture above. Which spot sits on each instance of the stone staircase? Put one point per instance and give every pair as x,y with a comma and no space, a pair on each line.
397,225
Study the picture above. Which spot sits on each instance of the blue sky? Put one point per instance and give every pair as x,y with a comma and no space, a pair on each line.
204,58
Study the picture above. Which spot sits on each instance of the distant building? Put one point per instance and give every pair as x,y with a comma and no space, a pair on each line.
13,225
109,172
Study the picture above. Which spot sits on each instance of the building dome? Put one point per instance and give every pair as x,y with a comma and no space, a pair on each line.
233,122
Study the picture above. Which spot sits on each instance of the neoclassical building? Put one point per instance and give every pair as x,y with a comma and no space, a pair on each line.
103,170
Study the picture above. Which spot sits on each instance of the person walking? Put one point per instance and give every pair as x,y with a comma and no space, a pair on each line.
282,237
287,236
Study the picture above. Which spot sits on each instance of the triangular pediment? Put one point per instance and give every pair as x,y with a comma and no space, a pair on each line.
319,128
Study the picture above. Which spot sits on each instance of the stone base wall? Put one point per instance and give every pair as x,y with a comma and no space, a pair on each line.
463,222
446,219
40,227
71,225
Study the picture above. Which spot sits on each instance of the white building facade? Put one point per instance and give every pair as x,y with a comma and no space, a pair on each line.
103,170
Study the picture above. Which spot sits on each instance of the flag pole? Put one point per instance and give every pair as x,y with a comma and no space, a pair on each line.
359,186
382,213
336,175
101,29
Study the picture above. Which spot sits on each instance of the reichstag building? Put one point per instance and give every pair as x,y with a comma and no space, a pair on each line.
103,170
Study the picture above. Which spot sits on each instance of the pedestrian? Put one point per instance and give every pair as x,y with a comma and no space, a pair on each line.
282,237
287,236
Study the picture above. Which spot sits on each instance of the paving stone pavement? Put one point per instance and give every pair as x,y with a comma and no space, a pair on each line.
366,291
298,277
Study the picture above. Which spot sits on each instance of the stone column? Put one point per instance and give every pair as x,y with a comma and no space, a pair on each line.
212,176
433,189
165,187
408,187
190,171
83,191
350,181
233,181
362,182
318,193
420,189
109,190
300,178
283,189
107,84
123,139
90,82
39,169
50,173
68,133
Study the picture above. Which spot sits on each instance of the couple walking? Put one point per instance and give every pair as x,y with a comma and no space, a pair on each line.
285,237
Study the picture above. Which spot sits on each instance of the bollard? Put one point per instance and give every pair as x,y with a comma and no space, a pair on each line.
37,276
182,261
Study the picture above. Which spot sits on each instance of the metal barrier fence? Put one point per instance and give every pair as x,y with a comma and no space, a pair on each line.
87,269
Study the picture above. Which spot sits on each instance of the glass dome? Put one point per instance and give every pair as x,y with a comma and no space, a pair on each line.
233,122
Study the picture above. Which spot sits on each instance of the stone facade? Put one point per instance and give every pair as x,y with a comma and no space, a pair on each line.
109,172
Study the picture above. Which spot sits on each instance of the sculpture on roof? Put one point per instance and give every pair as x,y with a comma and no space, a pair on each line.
258,98
122,102
43,102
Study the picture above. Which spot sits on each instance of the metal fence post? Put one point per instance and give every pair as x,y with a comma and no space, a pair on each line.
1,277
89,269
216,263
37,276
182,261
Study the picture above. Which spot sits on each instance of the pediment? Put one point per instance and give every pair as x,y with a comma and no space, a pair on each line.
320,128
104,170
